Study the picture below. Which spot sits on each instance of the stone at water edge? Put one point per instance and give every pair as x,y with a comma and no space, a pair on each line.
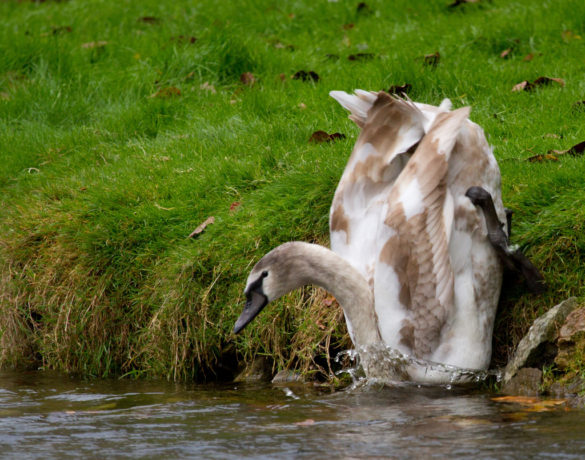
526,382
571,334
544,329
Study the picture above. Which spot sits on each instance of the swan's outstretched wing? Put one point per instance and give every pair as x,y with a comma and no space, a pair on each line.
414,278
391,127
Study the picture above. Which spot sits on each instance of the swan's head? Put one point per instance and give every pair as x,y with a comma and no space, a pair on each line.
277,273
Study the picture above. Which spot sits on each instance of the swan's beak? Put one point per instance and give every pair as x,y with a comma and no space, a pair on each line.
254,305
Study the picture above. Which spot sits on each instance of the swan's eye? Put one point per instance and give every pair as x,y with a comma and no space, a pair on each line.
264,274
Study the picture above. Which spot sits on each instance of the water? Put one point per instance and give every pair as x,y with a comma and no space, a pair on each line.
45,415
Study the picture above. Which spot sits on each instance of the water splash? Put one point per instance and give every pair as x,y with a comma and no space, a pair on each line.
386,365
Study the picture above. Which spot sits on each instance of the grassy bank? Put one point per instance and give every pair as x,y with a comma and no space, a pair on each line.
125,125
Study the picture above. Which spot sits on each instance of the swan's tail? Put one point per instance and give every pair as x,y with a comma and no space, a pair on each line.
358,104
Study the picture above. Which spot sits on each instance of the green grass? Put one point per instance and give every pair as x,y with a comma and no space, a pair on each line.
102,178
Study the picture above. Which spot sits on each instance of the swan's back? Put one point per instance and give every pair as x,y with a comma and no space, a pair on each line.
390,128
413,285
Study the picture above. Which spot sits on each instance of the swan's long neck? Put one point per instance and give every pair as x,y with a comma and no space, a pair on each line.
313,264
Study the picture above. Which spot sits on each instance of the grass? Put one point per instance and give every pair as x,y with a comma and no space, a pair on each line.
124,125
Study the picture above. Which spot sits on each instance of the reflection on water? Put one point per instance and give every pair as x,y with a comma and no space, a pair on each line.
46,415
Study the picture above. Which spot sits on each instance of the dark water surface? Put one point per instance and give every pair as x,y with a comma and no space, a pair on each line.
45,415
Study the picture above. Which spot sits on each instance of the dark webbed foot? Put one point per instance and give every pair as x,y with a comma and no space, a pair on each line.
512,258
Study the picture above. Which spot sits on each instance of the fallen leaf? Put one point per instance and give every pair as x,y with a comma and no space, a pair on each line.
167,92
321,136
306,76
532,404
529,57
540,81
363,8
207,87
506,53
247,78
431,60
569,35
195,233
328,301
348,26
539,158
307,422
149,20
61,30
98,44
184,39
461,2
523,86
400,89
235,205
543,81
361,56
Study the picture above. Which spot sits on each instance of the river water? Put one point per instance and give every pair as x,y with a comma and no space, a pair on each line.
46,415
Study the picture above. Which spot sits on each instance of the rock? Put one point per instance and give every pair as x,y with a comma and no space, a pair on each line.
542,333
526,382
573,387
571,338
287,376
258,371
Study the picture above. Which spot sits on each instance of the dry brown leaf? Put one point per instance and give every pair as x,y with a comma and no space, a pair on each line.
363,8
432,60
539,158
98,44
282,77
529,57
167,92
306,76
149,20
183,39
328,301
461,2
321,136
532,404
361,57
247,78
569,35
506,53
200,228
348,26
235,205
540,81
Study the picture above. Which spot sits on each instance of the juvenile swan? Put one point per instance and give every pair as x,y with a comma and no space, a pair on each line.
425,270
